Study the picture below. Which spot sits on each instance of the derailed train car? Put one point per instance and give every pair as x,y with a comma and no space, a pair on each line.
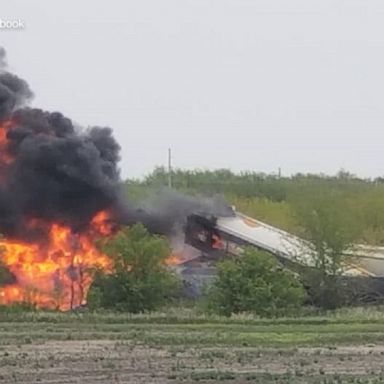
219,237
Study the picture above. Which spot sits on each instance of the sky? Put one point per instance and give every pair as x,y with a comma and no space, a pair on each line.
239,84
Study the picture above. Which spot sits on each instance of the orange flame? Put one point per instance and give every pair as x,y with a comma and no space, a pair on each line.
217,243
102,223
56,274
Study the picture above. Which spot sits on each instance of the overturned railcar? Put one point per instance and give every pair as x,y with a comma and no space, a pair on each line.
218,237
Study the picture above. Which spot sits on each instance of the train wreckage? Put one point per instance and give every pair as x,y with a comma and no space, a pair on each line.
209,239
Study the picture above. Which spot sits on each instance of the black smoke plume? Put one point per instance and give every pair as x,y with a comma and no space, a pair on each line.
166,211
52,171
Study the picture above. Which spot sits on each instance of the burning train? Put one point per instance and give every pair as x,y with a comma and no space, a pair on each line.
217,237
60,191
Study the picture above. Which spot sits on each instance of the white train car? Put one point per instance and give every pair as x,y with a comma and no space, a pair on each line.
230,234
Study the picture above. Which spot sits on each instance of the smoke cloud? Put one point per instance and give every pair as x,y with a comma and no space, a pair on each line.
52,171
166,211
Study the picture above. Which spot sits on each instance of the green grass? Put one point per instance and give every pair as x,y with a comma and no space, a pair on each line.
172,328
287,378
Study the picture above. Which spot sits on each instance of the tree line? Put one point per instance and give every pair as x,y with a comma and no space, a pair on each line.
279,200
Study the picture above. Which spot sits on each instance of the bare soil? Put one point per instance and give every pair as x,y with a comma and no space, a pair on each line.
107,361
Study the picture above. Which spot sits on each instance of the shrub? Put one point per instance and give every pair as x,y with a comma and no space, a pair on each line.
255,283
140,280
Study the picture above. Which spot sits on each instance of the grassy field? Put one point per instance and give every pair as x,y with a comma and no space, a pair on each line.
182,346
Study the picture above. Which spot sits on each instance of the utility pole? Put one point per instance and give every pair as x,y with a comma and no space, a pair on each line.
169,168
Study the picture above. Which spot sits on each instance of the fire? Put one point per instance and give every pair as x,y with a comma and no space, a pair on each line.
217,243
51,174
102,224
55,274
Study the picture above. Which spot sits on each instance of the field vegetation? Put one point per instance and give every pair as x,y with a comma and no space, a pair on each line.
184,345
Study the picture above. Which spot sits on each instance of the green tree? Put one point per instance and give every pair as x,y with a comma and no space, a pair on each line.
274,213
140,280
370,207
255,282
330,224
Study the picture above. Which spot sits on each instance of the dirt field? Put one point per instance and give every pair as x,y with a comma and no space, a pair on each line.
50,348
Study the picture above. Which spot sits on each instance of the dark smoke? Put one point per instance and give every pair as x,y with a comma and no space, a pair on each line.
57,173
63,174
14,93
167,210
